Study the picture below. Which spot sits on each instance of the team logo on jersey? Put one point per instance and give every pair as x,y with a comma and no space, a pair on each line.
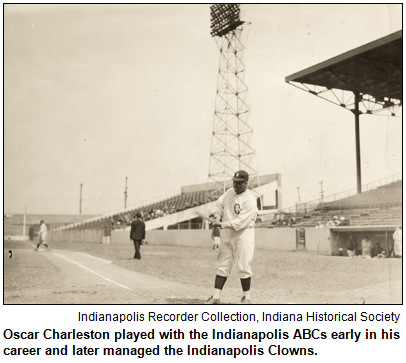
237,209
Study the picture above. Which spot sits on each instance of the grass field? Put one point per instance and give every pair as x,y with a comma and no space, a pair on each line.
70,274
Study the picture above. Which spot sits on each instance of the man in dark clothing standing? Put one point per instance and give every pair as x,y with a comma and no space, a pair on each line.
351,246
137,234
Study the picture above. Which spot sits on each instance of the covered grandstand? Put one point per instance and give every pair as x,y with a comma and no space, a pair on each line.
365,80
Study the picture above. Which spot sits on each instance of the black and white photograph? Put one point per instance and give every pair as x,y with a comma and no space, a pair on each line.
202,154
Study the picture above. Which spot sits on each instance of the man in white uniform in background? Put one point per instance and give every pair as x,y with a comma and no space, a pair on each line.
42,235
235,213
397,245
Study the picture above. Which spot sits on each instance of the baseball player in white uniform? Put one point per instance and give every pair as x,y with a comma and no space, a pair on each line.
42,235
397,245
235,213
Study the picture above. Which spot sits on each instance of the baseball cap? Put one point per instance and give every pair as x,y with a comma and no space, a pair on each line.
240,175
138,215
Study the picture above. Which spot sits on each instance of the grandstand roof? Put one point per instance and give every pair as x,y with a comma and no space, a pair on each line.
374,69
367,79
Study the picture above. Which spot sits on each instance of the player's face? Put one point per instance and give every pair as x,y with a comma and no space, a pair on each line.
240,186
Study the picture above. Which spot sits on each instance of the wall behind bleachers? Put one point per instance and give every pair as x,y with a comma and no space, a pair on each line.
275,239
318,240
76,235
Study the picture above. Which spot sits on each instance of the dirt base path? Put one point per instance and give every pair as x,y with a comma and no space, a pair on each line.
85,279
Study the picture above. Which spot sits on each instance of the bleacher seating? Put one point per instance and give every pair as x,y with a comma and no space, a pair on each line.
384,196
379,206
191,196
382,205
170,205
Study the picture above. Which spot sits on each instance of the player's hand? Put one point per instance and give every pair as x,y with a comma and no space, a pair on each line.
228,243
216,225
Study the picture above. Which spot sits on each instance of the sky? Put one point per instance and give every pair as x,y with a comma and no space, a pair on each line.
95,94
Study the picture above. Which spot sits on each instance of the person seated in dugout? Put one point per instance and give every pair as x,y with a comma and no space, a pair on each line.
358,249
377,251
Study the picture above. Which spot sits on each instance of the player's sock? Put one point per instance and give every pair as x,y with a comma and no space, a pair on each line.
246,284
216,294
219,282
218,286
247,295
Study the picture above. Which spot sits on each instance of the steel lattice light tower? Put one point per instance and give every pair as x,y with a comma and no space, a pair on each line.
230,145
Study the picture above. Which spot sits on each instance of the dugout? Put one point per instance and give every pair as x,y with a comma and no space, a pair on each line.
300,238
381,234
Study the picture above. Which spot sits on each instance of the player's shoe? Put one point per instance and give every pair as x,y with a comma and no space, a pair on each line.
244,300
212,300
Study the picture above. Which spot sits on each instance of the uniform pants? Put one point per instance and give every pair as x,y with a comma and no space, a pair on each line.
137,246
42,238
397,248
236,248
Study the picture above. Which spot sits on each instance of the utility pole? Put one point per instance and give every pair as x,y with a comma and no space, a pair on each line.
80,203
322,191
125,193
298,192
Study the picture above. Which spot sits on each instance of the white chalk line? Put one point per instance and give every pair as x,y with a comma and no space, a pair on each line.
93,272
86,255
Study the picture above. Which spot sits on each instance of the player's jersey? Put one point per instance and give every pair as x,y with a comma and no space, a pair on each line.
238,209
43,228
397,235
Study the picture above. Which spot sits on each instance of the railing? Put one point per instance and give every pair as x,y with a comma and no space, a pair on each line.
314,204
